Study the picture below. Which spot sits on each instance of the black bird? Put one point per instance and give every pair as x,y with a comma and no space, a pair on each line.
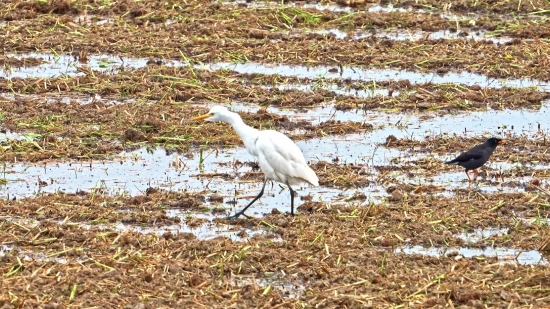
476,156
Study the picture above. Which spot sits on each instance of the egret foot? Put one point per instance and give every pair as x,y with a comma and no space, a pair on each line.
241,212
237,215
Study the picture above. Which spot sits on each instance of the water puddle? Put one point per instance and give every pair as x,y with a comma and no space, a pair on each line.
417,126
314,115
362,93
132,173
93,20
320,6
205,231
283,283
504,123
505,255
376,75
220,174
4,249
210,230
481,234
387,9
273,4
66,99
542,220
457,180
29,256
58,65
365,150
371,8
402,35
26,255
12,136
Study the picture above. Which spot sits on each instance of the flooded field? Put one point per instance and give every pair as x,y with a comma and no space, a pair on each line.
111,197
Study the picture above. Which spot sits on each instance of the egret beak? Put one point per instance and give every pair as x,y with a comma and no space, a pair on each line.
202,117
501,142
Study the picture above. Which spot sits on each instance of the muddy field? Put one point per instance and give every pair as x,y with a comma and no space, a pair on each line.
112,198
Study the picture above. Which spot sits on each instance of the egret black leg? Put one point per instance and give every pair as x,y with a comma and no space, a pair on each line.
241,212
291,200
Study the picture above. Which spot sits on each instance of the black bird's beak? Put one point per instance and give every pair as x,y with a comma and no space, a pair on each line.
501,142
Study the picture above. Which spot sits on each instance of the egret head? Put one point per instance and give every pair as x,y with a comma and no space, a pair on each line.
216,113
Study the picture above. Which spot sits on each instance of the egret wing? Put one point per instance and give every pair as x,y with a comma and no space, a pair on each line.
283,156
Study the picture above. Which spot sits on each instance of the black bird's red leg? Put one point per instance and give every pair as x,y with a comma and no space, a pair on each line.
475,174
468,175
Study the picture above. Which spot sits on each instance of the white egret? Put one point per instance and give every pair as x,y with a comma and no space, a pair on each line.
279,158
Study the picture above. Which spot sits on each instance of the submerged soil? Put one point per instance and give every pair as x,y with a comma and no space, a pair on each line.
404,249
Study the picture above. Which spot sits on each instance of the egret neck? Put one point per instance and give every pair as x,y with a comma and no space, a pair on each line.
248,134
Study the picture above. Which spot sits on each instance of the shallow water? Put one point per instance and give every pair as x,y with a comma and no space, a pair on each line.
62,64
67,99
87,19
67,65
417,126
27,255
8,135
363,93
278,4
363,148
481,234
132,173
373,8
505,255
377,75
287,285
207,230
403,35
